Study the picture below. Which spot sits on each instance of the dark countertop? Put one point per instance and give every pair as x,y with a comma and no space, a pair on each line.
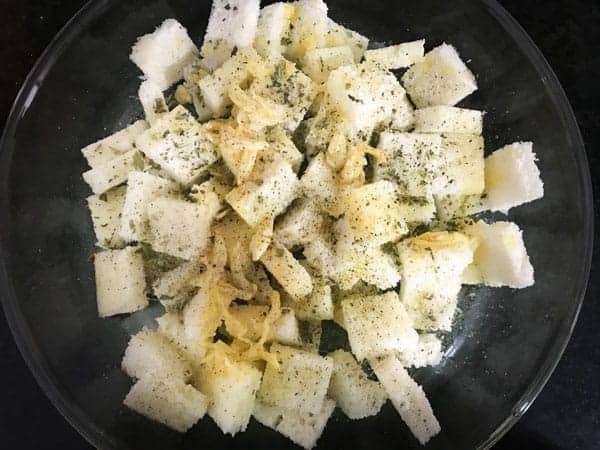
567,413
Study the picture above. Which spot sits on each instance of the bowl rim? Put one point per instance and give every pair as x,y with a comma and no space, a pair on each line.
37,362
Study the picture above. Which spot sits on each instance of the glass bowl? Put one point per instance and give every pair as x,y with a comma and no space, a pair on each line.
506,342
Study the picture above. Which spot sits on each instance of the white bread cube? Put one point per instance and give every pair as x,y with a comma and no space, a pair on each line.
292,276
170,324
360,257
273,29
201,318
150,353
427,353
432,265
114,145
373,266
163,54
501,256
179,228
397,56
413,161
120,281
402,118
318,63
440,78
231,26
339,36
171,283
179,145
463,166
374,214
168,401
407,397
231,389
285,105
301,222
318,305
365,96
113,172
152,100
417,210
448,119
106,211
256,202
283,147
512,177
449,207
215,87
302,429
308,29
141,189
318,183
299,384
321,128
378,325
353,392
320,255
286,329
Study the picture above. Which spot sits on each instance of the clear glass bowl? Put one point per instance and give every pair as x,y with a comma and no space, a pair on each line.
506,342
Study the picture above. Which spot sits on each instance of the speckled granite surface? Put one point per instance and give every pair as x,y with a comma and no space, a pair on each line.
567,413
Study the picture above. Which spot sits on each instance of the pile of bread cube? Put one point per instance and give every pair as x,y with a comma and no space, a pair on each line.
284,176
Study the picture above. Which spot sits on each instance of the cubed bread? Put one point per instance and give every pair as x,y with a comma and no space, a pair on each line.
365,96
167,400
396,56
354,393
292,276
378,325
512,177
152,100
501,257
113,172
106,210
440,78
231,26
150,353
201,318
255,202
319,183
340,36
231,389
301,222
120,281
179,145
428,352
171,223
163,54
141,189
413,161
318,63
432,265
318,305
308,29
408,398
215,87
273,29
304,429
448,119
299,383
114,145
373,213
462,171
